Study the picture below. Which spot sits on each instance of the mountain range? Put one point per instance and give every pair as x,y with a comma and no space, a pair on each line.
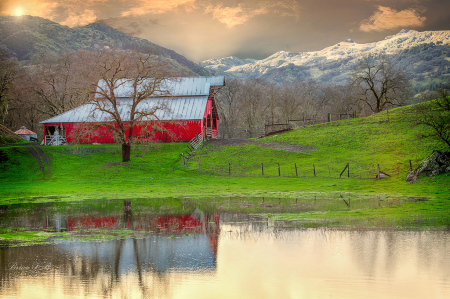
425,56
25,37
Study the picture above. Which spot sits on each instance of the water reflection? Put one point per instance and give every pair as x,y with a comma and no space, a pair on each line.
228,255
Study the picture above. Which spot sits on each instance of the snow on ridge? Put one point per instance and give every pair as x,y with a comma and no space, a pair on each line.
347,51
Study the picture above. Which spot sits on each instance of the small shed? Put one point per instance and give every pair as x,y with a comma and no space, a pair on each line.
191,111
26,134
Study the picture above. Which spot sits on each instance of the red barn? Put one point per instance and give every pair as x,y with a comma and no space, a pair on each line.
191,111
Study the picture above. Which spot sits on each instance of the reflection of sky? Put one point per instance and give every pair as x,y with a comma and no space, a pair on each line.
187,253
253,261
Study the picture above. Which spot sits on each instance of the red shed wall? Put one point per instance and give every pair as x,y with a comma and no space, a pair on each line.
209,111
177,131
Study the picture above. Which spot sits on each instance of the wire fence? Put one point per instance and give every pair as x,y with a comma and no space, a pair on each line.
280,169
355,169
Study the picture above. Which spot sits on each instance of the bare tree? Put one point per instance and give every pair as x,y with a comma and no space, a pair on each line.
227,102
307,92
342,99
435,114
288,102
251,95
8,73
143,76
273,96
60,83
380,84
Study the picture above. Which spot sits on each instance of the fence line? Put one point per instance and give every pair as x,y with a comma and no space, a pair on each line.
277,169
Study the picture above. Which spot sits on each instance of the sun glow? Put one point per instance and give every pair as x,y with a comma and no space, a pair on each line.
18,11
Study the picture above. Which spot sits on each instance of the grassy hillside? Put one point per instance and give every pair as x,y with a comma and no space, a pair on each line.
96,172
26,36
7,136
386,139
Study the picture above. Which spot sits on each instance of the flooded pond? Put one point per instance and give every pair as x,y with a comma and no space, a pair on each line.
175,249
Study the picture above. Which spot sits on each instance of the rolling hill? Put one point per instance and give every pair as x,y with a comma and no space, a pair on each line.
26,36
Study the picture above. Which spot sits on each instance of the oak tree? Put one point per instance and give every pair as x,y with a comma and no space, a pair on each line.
380,84
141,76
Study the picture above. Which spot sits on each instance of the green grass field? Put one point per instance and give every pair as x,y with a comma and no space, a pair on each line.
90,172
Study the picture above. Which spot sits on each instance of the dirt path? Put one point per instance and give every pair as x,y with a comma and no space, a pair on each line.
38,159
45,159
273,145
39,155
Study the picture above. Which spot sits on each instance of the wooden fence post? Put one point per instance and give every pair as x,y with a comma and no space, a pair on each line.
262,169
296,173
314,169
346,167
348,170
279,173
398,167
378,171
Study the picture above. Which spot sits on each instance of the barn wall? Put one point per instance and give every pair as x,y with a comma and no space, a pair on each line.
176,131
209,111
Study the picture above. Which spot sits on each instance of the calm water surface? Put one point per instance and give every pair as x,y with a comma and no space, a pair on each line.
221,255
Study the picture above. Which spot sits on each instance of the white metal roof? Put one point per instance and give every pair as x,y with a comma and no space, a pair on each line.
180,86
180,108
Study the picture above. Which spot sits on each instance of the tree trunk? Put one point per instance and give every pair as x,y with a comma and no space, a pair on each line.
126,152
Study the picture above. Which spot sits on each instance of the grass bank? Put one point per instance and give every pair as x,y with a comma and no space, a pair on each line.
91,172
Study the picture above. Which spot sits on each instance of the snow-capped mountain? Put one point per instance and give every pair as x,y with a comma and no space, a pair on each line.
422,54
219,65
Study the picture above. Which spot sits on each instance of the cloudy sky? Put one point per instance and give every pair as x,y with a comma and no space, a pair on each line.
204,29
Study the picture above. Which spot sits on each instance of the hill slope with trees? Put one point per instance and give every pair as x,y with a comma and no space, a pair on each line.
26,37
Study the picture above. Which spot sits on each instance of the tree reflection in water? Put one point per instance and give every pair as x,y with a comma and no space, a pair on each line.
203,254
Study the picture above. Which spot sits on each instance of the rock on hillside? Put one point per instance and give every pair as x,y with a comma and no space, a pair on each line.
422,54
438,162
26,36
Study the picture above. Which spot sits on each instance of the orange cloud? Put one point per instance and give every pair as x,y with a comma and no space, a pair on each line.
73,12
81,12
27,7
144,7
387,18
240,14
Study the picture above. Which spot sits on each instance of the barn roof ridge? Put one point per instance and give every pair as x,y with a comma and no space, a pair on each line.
189,98
83,113
176,86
